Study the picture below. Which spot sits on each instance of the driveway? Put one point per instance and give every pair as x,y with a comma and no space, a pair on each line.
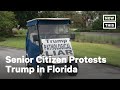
86,71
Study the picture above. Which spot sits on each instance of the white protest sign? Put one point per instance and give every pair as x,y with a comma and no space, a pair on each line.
57,47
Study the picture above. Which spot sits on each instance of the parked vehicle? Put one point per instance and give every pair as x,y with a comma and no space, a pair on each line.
42,29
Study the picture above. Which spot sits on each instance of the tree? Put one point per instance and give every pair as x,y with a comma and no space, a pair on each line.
7,22
101,13
23,16
88,16
47,14
117,13
97,25
57,14
78,21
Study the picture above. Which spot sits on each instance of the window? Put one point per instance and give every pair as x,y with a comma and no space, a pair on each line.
32,31
53,29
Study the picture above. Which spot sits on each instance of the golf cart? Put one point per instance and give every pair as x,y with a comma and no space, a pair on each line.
40,30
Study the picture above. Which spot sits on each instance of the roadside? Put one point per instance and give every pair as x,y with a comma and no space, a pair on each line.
14,42
86,71
98,37
81,49
88,49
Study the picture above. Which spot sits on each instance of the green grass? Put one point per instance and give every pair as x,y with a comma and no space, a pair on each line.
15,42
112,53
2,39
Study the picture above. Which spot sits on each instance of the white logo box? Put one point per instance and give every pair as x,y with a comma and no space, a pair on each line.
109,27
112,15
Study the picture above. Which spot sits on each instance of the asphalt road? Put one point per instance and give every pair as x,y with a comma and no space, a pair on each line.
86,71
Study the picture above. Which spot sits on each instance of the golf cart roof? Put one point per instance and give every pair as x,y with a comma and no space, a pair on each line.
48,21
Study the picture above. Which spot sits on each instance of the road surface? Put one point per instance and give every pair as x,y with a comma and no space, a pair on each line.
86,71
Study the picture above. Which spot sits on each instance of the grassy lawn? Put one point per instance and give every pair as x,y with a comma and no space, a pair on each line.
110,52
15,42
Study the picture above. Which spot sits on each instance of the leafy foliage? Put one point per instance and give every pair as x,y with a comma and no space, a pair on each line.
7,22
23,16
97,25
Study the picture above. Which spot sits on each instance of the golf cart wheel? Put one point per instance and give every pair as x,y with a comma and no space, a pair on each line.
73,65
27,64
44,75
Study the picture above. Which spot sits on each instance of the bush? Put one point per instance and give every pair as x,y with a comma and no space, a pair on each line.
20,32
97,25
15,31
107,31
7,22
2,39
82,30
97,39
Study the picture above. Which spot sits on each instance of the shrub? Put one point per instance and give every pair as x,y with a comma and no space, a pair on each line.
7,22
97,39
97,25
15,31
2,39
